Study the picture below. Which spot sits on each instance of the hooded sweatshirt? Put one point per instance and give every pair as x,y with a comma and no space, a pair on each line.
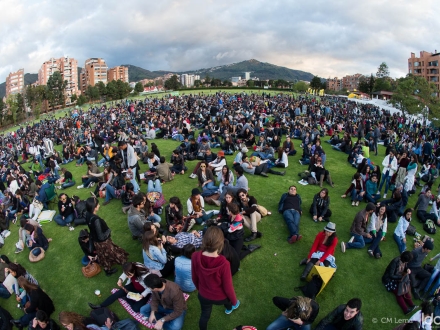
212,277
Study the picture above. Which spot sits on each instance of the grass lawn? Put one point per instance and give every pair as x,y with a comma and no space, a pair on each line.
271,271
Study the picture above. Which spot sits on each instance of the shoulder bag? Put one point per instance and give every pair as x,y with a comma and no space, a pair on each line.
92,269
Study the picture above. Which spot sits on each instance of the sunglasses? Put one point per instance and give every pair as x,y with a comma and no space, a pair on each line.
202,166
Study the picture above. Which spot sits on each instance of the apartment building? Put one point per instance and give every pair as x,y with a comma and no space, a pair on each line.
15,82
118,73
351,82
68,68
188,79
334,84
425,66
95,70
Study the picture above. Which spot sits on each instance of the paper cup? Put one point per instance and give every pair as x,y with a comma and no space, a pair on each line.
98,293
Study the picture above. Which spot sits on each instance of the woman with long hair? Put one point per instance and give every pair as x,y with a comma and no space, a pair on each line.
206,180
72,321
108,252
196,207
211,274
182,264
155,255
322,251
282,160
174,217
377,227
38,301
400,231
320,206
225,177
134,292
298,313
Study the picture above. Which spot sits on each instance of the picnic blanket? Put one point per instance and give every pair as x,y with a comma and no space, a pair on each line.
138,316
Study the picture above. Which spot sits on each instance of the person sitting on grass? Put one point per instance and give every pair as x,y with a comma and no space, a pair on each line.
196,207
371,189
43,322
163,170
183,276
241,182
178,163
322,251
320,206
68,179
261,169
356,190
155,255
35,239
298,313
66,208
134,273
90,178
422,208
248,209
377,227
136,218
344,317
290,207
358,231
419,276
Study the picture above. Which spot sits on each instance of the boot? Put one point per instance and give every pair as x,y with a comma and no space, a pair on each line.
110,272
271,171
306,271
321,179
303,262
252,247
251,238
94,306
329,180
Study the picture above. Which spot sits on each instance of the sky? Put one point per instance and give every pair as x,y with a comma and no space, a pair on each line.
326,38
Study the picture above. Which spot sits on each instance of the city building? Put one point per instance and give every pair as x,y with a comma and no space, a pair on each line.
247,76
15,82
425,66
118,73
188,79
235,79
68,68
95,70
351,82
334,84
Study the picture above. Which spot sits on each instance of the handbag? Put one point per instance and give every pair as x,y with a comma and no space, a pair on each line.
411,230
262,210
404,285
92,269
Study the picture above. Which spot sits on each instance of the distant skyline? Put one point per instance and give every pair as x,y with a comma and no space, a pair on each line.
326,38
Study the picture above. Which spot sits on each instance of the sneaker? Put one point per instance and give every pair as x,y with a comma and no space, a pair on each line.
410,309
5,233
384,196
353,203
229,311
80,187
58,187
216,202
91,185
235,226
378,192
370,253
300,162
18,250
357,203
71,228
351,239
343,247
293,239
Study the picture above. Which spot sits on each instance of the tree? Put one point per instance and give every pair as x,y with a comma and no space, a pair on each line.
123,89
173,83
207,81
216,82
2,111
382,82
92,92
250,83
315,83
81,100
73,98
197,83
300,86
56,87
101,88
383,71
227,83
138,88
366,84
414,94
12,104
36,95
21,106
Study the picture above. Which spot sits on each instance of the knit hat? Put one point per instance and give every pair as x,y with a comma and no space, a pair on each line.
428,245
370,207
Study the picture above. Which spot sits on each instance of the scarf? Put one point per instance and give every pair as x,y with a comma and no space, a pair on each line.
197,206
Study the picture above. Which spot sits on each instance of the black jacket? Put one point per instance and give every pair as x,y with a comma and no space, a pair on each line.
391,271
337,315
39,300
320,205
99,231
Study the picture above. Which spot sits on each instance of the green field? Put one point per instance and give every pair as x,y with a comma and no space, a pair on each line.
270,271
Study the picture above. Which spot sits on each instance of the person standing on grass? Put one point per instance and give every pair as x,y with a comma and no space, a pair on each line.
290,207
211,274
344,317
389,168
400,231
359,234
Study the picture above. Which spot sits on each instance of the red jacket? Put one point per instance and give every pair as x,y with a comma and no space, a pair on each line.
318,246
212,277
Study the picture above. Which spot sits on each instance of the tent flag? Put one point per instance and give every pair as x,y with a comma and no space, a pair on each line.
326,273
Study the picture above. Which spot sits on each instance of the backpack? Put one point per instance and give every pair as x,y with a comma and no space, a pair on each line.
311,289
429,227
411,230
5,318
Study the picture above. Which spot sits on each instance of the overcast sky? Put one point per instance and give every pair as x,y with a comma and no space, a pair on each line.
326,38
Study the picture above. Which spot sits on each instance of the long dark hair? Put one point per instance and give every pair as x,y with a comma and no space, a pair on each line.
225,176
177,202
330,239
134,268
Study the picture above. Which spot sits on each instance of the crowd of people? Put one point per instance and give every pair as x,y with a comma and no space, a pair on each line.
111,143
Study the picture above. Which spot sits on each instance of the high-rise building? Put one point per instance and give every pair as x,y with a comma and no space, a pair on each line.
247,76
68,68
15,82
351,82
425,66
95,70
334,84
118,73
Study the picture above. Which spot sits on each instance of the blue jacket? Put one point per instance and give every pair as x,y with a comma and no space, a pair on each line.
157,258
183,274
283,198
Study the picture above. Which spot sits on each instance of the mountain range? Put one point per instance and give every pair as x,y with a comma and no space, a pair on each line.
258,69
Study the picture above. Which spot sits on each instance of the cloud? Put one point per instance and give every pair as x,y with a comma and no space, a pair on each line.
326,38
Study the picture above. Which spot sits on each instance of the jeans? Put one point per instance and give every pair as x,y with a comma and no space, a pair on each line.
375,243
175,324
209,189
102,162
110,192
358,242
154,218
80,161
67,184
204,217
63,222
434,275
283,322
26,318
356,196
400,243
372,198
4,293
292,217
87,181
154,186
386,179
135,305
206,307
